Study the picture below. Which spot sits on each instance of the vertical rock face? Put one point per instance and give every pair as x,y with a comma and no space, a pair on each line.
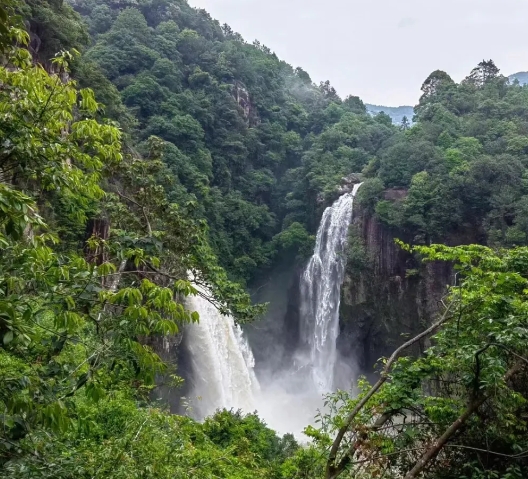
241,95
276,336
388,298
167,348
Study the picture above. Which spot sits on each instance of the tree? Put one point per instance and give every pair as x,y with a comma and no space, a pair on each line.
435,411
77,302
355,104
435,84
482,73
328,91
303,76
400,162
383,118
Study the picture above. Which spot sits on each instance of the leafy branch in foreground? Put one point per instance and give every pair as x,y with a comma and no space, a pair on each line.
469,386
76,297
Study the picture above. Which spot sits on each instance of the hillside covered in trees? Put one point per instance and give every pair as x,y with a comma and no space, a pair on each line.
246,134
258,149
143,140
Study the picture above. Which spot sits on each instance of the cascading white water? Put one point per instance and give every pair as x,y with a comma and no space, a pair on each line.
321,290
221,360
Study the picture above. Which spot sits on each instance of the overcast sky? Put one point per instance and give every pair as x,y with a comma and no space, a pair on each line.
382,50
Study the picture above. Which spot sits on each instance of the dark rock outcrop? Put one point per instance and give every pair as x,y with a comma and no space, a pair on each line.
240,94
276,336
390,296
348,182
167,348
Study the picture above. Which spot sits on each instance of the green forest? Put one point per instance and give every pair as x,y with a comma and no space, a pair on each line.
141,140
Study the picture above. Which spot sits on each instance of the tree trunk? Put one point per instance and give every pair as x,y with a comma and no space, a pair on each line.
451,430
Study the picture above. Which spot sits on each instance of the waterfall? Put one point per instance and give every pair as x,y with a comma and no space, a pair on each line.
321,290
221,361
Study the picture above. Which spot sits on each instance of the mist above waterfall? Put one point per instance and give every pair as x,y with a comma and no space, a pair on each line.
222,375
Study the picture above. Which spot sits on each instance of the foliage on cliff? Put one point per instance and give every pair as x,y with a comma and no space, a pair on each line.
463,163
256,146
226,150
93,258
252,143
460,410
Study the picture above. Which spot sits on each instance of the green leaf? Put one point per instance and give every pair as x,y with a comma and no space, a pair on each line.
8,337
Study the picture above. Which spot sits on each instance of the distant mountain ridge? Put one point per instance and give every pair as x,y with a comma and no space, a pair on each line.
395,112
398,112
521,76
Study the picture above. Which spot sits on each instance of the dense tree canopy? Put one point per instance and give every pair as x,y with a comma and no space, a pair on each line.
463,163
201,152
93,259
253,142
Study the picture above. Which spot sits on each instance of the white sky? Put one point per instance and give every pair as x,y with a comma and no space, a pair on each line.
382,50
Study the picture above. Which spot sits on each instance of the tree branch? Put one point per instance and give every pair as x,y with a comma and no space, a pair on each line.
510,456
333,471
114,283
455,426
214,302
143,209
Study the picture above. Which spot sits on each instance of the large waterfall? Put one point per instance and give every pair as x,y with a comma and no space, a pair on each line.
221,361
321,291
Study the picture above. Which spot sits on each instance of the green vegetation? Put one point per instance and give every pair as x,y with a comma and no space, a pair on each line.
463,163
212,155
460,410
93,256
251,142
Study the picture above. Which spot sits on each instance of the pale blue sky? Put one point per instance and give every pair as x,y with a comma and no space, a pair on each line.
382,50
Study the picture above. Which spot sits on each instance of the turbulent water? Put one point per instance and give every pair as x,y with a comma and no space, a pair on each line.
321,290
221,360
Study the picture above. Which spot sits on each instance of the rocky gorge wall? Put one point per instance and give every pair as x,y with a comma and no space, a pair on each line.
388,296
275,337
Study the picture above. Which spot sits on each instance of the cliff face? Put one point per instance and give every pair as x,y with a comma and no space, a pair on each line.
168,349
240,94
276,336
387,296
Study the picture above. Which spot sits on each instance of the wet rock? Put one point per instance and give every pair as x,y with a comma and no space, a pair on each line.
348,182
391,296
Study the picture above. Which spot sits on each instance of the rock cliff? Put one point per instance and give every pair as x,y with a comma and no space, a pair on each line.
388,295
276,336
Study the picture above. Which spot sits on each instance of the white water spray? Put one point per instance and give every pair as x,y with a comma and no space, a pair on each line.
221,360
321,290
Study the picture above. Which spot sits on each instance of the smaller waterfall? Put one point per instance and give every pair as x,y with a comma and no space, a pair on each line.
221,360
321,290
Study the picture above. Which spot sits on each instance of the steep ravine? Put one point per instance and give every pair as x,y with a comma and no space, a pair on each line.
387,296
